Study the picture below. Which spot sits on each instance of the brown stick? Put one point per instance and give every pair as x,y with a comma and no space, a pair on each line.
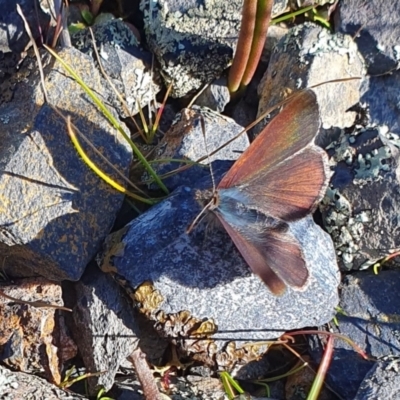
145,376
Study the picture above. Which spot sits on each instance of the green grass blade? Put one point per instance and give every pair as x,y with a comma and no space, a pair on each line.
110,118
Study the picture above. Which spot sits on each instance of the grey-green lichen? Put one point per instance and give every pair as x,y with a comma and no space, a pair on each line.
345,228
372,165
324,42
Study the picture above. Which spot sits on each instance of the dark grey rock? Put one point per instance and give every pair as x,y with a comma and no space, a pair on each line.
360,209
55,210
127,65
380,96
274,35
375,26
185,140
105,327
381,382
19,385
370,307
216,95
310,55
13,37
204,273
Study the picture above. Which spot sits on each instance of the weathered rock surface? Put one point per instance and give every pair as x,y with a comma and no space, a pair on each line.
18,385
375,26
310,55
105,326
34,339
370,319
205,275
381,382
360,209
127,64
55,212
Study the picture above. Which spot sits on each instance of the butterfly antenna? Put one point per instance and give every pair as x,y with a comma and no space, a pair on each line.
199,217
203,128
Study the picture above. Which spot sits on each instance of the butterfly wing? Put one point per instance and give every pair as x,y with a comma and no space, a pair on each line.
289,132
276,256
282,172
290,190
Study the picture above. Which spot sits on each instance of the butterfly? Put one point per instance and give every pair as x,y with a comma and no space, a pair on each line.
280,178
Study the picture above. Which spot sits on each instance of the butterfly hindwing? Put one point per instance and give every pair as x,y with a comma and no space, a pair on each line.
275,256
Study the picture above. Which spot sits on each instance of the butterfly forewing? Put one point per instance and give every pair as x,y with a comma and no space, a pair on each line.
290,190
289,132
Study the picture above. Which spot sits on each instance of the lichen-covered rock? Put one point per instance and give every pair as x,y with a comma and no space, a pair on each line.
361,207
193,41
309,55
124,61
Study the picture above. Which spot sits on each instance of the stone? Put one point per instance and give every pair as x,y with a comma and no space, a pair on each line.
215,96
198,284
369,318
300,60
381,382
19,385
375,27
34,339
13,37
193,41
380,95
105,326
360,208
124,61
55,212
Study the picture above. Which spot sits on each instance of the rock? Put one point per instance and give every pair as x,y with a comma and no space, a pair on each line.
201,285
34,339
370,309
215,96
376,30
185,140
127,65
105,326
193,41
18,385
300,60
380,96
55,211
13,37
360,209
381,382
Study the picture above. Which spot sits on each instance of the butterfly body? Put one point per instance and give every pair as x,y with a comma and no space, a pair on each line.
280,178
